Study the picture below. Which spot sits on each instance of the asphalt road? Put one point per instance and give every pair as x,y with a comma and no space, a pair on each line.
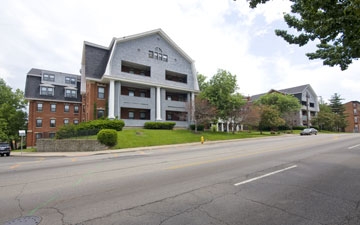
312,180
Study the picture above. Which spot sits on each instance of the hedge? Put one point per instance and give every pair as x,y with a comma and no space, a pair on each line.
88,128
159,125
199,127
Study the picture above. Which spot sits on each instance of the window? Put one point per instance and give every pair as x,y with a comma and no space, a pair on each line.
76,109
38,122
66,121
142,115
70,93
158,54
47,91
38,135
66,108
70,80
165,58
39,107
151,54
101,92
131,115
355,111
355,119
176,116
53,107
52,123
76,121
49,77
143,94
131,93
52,135
100,113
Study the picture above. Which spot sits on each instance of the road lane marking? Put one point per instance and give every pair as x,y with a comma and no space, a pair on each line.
73,159
355,146
265,175
15,166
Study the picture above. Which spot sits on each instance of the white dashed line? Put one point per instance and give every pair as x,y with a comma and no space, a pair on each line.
265,175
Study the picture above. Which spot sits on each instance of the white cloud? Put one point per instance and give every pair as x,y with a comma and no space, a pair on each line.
216,34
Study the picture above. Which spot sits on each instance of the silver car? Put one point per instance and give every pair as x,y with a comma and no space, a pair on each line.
309,131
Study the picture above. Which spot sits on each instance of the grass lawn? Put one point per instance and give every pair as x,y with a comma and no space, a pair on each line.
130,138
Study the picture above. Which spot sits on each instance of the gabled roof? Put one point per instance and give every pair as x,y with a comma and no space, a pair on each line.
159,32
292,91
96,58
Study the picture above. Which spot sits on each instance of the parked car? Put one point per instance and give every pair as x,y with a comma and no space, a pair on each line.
309,131
4,149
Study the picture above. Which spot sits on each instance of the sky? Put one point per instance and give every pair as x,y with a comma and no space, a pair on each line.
217,34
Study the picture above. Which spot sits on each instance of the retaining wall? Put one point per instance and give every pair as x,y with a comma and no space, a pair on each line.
68,145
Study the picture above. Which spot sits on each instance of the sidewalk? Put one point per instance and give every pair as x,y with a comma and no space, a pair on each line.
113,151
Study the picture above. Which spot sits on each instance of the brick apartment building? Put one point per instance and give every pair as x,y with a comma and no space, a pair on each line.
138,78
54,100
352,110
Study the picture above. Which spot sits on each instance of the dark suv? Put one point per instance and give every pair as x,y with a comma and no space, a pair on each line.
4,149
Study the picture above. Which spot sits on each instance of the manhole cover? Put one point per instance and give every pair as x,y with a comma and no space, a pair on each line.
26,220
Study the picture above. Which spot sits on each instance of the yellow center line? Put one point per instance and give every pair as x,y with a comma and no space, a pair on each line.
14,166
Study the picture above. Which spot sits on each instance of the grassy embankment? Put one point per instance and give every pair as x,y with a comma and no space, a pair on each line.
130,138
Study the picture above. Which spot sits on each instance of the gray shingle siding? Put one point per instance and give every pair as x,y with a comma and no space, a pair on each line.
137,51
96,60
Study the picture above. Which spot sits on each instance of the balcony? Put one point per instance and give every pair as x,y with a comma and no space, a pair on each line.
176,77
136,69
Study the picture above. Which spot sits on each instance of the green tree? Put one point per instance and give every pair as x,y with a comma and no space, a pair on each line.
325,118
286,105
339,112
12,114
233,109
202,81
219,90
334,23
270,118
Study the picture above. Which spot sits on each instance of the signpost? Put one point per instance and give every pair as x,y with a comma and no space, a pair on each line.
22,134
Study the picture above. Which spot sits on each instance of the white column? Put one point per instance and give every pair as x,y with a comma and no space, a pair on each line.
193,106
111,99
158,103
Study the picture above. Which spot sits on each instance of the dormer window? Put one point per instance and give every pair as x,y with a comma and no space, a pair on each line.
48,77
70,80
47,90
69,93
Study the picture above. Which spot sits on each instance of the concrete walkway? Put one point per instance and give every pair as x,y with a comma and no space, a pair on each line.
77,154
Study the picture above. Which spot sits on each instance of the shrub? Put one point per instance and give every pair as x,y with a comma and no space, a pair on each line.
66,131
159,125
200,127
88,128
107,137
214,128
299,128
